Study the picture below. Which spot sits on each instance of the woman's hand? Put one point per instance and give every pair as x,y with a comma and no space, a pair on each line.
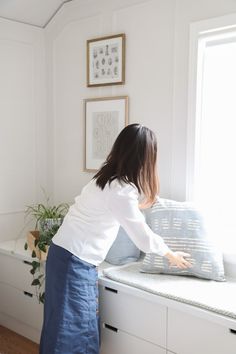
177,259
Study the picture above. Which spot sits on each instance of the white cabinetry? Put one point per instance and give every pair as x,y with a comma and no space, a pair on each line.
129,324
115,341
136,322
189,334
19,307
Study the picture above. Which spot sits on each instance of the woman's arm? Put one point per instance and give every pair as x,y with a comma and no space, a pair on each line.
123,204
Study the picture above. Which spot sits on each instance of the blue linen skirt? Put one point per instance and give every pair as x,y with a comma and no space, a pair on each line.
71,318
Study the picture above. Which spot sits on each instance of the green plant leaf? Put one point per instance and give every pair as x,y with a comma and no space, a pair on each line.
40,212
26,246
35,264
42,247
35,282
42,297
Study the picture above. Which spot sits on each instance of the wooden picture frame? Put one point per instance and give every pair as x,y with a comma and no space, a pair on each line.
106,61
104,119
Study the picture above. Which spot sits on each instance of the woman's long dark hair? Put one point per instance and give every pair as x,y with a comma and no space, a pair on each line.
133,160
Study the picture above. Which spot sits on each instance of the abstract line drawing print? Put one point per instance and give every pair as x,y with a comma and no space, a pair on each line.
105,128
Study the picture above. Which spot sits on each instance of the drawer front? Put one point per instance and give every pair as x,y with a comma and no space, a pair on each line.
16,272
21,306
189,334
134,315
118,342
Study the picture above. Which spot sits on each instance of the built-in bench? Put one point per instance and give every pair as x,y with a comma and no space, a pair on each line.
140,313
157,313
218,297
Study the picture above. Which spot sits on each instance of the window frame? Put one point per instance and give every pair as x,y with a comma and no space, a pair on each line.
199,31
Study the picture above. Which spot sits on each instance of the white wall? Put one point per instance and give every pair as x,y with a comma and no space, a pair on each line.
38,150
156,80
23,146
149,27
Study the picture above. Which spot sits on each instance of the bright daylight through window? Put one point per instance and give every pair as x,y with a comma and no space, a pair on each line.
214,182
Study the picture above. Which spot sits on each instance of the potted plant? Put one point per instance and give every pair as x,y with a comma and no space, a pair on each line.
48,220
46,216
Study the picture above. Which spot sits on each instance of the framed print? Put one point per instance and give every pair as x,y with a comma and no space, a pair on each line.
106,61
104,119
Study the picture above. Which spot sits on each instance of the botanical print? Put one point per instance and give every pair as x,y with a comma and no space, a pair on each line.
105,61
105,128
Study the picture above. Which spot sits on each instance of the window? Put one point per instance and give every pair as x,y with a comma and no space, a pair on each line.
212,133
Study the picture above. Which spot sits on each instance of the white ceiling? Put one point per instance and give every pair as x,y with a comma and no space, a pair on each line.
34,12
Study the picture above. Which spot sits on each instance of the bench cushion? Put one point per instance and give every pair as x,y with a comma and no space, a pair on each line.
218,297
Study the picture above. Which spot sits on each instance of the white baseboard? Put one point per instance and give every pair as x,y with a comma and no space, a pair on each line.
20,328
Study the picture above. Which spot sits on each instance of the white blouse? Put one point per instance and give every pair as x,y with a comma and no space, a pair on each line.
92,222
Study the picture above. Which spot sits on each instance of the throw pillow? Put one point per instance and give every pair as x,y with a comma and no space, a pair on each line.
123,250
183,229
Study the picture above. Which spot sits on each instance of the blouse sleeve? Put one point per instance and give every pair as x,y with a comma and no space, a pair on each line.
123,204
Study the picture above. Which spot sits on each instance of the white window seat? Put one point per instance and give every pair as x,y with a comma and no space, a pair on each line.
159,314
155,314
218,297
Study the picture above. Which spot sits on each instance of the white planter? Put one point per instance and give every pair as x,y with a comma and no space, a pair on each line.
47,224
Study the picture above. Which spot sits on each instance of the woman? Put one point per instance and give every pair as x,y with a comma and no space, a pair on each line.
110,199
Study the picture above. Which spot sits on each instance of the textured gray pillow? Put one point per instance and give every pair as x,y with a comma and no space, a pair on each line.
182,228
123,250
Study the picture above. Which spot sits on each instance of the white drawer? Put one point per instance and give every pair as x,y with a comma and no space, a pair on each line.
118,342
16,272
133,315
18,304
188,334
